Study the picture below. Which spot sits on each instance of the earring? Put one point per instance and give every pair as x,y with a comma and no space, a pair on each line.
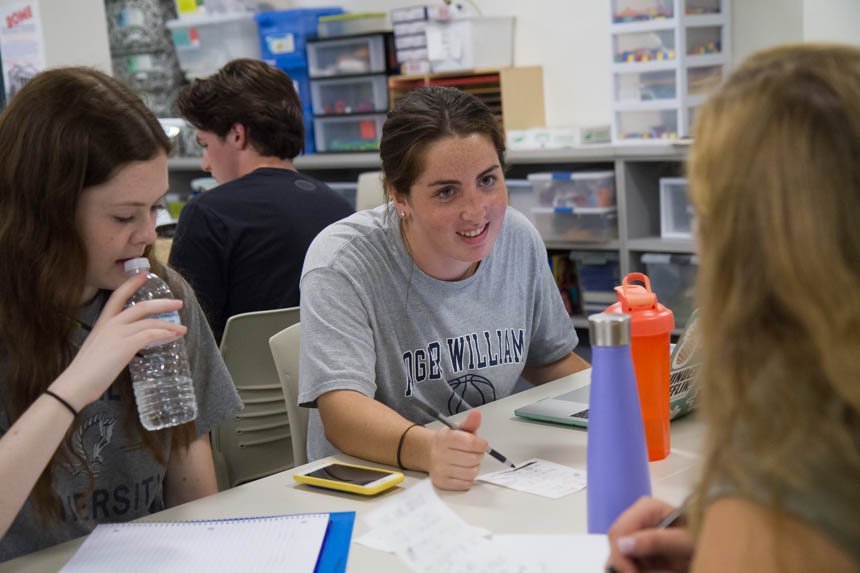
403,214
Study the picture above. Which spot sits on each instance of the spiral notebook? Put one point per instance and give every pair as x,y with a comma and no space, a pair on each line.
312,543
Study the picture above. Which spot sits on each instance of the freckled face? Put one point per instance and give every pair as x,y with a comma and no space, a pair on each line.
116,221
456,207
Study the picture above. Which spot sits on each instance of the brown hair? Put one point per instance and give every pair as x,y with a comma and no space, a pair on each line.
775,180
424,116
254,94
66,130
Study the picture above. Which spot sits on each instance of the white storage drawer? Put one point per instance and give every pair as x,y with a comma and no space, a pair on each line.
355,55
647,125
636,87
653,46
350,95
676,213
349,133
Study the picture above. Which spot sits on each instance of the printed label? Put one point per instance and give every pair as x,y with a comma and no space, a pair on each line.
168,316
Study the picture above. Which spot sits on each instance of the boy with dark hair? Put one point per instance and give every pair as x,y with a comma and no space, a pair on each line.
242,244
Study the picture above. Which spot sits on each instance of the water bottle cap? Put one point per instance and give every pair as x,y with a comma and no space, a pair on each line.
134,264
609,329
648,317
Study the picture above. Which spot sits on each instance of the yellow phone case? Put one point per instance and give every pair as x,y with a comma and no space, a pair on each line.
396,478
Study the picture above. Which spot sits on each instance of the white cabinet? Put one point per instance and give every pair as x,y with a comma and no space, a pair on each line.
666,56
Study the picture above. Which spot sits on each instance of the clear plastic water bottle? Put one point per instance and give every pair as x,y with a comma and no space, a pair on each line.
617,454
160,374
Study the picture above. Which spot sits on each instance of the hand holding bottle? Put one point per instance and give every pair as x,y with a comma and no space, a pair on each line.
115,338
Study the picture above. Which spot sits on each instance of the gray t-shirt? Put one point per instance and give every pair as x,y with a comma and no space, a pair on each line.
373,322
128,480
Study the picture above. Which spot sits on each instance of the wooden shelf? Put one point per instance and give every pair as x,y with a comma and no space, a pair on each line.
514,95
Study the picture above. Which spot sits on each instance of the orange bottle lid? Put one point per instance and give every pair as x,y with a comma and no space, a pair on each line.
647,316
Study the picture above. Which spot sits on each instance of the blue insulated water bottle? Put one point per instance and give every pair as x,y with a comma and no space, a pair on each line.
617,454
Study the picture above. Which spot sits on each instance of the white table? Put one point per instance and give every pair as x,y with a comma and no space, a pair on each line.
489,506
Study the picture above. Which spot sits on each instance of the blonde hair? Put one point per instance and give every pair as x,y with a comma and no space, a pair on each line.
775,180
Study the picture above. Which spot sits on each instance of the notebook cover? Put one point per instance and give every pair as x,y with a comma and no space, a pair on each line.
335,547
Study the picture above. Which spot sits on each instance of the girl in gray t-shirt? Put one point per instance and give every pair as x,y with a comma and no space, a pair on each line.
443,294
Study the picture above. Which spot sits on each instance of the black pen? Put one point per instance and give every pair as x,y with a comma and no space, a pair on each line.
430,411
675,517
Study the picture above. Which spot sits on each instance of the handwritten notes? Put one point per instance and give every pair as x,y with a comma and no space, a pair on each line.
539,477
430,537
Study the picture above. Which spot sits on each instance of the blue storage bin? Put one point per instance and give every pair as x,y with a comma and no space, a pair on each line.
310,138
597,273
284,33
299,75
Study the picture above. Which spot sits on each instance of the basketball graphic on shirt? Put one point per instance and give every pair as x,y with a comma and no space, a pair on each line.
469,391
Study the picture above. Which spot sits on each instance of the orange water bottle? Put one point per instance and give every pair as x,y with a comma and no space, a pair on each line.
651,323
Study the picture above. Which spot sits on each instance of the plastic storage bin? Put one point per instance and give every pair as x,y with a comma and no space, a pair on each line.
136,25
598,275
702,80
470,43
587,225
284,33
647,125
673,278
520,195
205,43
641,10
351,24
348,133
646,86
655,46
350,95
354,55
146,71
676,213
704,40
701,7
574,190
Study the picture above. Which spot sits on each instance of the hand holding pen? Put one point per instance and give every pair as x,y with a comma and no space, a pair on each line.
650,535
431,411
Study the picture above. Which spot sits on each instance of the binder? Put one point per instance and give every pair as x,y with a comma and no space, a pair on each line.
315,542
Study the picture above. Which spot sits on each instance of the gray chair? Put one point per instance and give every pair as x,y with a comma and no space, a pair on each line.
255,443
285,351
370,192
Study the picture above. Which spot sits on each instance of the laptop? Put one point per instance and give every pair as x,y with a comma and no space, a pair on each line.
571,408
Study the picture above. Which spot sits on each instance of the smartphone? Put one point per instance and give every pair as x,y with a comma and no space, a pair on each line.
351,478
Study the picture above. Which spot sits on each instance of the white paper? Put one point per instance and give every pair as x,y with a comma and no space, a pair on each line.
556,553
279,543
539,477
429,537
